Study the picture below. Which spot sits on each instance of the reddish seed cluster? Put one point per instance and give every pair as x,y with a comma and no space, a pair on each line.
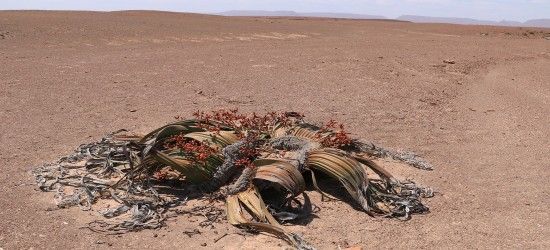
249,150
240,122
160,175
199,152
254,124
245,163
338,138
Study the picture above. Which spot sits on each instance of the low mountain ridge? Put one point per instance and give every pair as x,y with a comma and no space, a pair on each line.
540,23
302,14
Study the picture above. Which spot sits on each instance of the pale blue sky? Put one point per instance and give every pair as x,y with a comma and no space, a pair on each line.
496,10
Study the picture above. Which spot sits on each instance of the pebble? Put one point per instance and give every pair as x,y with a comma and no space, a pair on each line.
449,61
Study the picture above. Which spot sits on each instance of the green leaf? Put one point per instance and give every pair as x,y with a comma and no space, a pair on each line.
185,126
194,173
215,140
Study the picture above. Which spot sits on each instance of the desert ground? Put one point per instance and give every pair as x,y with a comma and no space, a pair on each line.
483,121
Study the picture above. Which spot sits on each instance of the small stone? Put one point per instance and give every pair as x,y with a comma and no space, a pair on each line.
99,242
203,244
133,110
448,61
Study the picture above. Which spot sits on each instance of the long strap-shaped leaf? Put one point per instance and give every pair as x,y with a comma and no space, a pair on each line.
253,202
279,130
185,126
345,169
179,126
306,131
217,140
383,173
282,173
194,173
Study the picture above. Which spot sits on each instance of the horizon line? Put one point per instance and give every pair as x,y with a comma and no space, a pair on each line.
297,12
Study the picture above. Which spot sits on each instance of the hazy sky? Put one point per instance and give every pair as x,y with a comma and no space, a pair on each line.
520,10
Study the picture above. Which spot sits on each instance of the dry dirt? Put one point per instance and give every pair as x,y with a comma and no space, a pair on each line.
484,121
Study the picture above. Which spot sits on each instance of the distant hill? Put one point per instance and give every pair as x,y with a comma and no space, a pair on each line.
542,23
341,15
509,23
257,13
454,20
301,14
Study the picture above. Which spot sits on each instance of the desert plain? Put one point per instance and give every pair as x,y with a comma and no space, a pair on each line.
472,100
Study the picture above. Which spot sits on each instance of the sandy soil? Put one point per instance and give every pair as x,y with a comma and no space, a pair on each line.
484,122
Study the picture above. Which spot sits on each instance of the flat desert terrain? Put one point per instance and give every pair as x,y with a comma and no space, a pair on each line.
483,121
